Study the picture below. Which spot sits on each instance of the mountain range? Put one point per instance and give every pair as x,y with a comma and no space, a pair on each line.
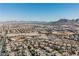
59,22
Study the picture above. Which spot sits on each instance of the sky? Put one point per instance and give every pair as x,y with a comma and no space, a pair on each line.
38,11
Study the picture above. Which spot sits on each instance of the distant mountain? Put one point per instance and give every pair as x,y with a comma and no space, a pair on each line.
59,22
77,20
65,21
23,22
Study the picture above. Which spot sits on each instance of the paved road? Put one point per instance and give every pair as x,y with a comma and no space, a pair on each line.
25,34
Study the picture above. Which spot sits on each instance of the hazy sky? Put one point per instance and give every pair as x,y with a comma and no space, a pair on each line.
38,11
